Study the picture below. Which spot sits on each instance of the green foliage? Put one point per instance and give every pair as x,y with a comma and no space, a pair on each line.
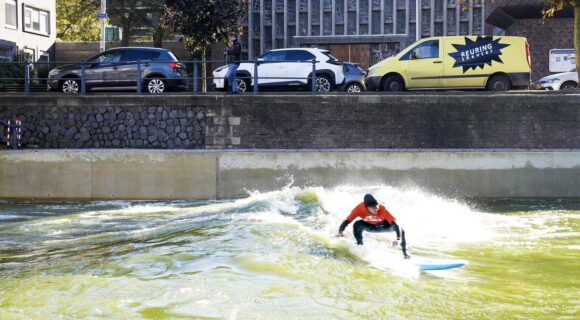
132,16
13,73
76,20
203,22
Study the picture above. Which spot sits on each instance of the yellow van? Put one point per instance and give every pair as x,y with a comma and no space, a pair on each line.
496,63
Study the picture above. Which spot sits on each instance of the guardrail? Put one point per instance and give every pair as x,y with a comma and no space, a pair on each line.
88,75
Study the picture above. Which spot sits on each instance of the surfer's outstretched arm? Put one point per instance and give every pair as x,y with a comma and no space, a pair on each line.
342,227
401,237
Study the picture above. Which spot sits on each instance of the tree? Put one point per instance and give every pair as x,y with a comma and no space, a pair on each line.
136,16
76,20
204,22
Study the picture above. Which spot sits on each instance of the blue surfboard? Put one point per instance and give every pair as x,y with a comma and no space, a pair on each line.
437,264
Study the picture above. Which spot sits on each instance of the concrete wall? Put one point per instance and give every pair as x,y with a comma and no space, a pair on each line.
121,174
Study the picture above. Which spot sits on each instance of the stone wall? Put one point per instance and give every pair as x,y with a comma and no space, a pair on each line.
402,121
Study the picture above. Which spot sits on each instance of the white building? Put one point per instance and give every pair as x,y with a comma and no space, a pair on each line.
29,26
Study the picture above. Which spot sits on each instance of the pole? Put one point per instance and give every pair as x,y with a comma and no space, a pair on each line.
417,15
103,30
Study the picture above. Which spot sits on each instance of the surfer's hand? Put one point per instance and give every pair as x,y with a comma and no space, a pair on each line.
395,243
340,234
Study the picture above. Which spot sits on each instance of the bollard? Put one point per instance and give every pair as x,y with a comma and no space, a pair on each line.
255,76
195,79
83,80
26,78
139,84
314,76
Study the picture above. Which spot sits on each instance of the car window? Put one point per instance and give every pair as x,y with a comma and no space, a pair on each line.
298,55
274,56
330,56
108,57
425,50
172,56
142,55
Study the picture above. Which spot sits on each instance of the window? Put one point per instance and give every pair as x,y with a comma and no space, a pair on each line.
36,20
5,53
274,56
299,55
11,14
108,57
425,50
134,55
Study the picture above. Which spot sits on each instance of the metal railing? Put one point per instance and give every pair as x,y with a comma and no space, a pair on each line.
125,74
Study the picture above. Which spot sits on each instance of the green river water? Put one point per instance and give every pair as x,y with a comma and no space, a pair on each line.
274,256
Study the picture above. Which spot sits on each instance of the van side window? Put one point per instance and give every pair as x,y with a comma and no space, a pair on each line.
426,50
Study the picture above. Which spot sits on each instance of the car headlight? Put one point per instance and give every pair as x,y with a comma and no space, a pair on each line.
550,80
53,73
372,71
220,69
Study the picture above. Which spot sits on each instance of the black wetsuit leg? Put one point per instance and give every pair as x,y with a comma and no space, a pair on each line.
361,226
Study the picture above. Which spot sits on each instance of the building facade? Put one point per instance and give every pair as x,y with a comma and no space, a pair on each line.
363,31
27,26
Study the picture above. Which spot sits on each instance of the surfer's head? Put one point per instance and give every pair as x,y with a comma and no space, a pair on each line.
371,203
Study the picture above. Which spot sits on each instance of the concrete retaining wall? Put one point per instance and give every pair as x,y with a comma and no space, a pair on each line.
118,174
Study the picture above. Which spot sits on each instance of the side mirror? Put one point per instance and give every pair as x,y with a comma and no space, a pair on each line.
413,56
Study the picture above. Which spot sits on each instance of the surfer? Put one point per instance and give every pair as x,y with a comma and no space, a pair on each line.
374,218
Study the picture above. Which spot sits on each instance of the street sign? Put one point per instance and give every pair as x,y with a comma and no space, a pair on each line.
562,60
102,15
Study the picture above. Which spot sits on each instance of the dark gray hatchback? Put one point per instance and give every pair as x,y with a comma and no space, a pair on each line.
160,71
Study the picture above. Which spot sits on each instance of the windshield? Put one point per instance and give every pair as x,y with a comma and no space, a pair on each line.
330,56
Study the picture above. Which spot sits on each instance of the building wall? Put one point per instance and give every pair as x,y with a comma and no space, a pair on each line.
552,34
19,39
272,24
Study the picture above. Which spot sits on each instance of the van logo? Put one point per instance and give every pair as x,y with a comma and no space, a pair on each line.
477,53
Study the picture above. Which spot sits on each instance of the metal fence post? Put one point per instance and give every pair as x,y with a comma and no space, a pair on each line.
255,76
195,78
26,78
314,76
139,84
83,79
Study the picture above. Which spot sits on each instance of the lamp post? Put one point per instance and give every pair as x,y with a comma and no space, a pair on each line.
103,29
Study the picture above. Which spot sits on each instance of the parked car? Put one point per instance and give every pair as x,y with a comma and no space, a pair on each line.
160,71
455,62
560,81
354,78
285,69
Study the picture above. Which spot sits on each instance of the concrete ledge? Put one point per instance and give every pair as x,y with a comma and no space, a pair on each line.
143,174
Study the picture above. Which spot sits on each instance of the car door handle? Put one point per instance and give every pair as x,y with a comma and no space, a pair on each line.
115,67
437,61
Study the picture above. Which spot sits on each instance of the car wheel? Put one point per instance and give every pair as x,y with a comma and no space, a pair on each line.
156,85
323,84
568,85
393,84
353,88
498,83
243,85
70,86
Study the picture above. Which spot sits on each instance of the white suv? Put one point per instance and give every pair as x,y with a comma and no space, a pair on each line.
285,69
560,81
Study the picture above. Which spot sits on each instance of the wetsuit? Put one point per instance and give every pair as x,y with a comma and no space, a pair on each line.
382,221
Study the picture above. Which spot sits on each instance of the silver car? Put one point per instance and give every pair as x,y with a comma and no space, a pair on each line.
160,71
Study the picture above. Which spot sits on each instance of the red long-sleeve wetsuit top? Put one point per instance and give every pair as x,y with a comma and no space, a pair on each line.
362,212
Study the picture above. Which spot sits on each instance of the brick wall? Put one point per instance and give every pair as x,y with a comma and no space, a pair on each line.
553,34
